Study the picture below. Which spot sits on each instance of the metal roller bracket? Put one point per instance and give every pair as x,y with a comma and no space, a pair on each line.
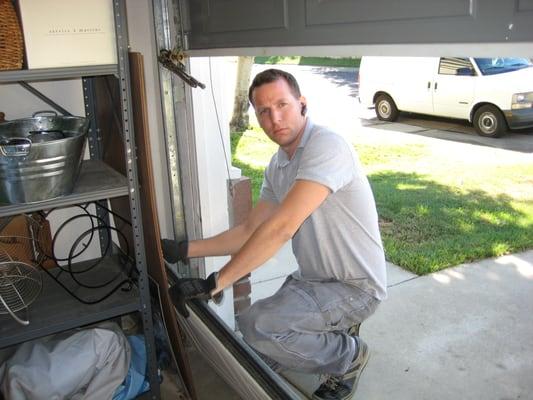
172,60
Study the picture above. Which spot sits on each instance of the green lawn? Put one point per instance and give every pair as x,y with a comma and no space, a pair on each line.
312,61
435,210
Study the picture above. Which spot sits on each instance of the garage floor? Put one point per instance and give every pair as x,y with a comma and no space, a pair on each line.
207,382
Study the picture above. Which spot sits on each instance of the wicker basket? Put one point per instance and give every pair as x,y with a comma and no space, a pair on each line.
11,43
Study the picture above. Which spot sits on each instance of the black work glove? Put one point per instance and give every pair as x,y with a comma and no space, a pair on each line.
193,288
174,251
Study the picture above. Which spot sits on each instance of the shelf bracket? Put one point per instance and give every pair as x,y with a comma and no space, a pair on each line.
44,98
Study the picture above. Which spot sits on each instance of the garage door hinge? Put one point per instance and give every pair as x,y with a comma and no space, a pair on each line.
173,61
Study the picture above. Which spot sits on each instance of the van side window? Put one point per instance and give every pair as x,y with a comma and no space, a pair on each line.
456,66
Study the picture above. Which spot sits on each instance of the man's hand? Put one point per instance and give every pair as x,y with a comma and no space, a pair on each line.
174,251
194,288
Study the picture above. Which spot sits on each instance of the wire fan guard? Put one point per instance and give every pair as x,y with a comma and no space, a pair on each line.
20,282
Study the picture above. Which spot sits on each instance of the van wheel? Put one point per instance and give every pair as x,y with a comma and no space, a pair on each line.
386,109
489,121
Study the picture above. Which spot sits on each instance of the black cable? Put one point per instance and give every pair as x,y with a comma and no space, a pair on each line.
113,213
56,235
71,256
72,274
93,228
129,281
124,256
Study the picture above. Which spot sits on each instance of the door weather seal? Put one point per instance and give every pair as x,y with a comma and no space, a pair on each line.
272,385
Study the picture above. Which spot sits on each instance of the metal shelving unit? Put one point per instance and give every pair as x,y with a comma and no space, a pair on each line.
96,181
61,311
55,310
47,74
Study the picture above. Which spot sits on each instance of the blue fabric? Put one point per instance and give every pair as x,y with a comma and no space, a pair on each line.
136,381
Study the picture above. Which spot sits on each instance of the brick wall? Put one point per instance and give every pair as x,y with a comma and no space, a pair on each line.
240,204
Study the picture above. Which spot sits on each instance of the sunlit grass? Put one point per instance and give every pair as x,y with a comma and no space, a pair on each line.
433,213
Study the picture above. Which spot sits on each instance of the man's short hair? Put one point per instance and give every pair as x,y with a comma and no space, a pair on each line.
272,75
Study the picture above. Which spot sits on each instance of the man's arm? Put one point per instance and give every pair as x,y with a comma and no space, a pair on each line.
229,242
267,238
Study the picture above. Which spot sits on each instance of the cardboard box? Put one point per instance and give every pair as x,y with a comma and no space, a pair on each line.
68,33
26,238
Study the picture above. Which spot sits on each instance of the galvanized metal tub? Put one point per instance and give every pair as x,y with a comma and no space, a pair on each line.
40,157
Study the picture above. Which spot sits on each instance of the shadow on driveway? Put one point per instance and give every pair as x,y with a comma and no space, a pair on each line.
454,130
345,77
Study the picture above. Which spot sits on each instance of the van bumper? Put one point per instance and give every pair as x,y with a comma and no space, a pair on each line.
517,119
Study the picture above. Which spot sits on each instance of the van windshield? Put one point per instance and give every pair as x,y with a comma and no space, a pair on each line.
500,65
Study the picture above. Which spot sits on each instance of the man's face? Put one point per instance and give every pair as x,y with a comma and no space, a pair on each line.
279,114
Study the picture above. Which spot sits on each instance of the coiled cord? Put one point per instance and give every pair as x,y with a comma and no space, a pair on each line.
97,225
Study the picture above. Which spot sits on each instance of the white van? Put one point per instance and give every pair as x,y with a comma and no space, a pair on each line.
493,93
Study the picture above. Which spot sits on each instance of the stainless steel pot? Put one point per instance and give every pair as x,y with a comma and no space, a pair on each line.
40,157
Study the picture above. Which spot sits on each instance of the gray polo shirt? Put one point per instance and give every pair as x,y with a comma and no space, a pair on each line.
340,240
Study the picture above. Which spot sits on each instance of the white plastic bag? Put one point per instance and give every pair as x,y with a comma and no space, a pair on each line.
85,365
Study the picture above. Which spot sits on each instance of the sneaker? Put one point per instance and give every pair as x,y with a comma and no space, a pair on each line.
343,387
354,330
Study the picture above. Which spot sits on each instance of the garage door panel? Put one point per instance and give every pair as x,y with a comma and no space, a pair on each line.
245,15
519,25
253,23
319,12
524,5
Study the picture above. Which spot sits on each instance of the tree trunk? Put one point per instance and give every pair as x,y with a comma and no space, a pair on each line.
240,120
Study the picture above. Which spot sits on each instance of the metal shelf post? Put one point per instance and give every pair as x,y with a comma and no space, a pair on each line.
97,182
121,30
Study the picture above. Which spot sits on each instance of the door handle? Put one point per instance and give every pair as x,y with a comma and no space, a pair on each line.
435,86
429,85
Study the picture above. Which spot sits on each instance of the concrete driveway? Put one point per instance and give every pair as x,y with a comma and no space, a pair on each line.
463,333
452,130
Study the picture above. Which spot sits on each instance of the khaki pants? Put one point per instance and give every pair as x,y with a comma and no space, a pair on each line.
304,325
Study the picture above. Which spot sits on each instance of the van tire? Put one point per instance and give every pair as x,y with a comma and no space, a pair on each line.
386,109
489,121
